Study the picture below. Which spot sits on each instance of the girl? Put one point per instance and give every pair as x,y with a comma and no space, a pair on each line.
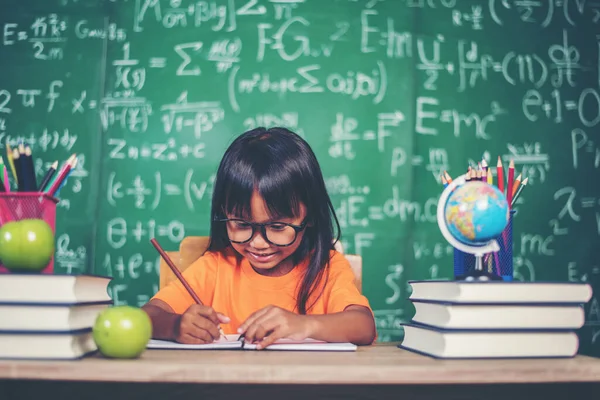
271,270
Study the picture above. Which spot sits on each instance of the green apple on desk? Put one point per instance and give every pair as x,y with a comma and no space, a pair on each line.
122,331
26,245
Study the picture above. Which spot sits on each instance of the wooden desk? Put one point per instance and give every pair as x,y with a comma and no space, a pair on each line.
371,372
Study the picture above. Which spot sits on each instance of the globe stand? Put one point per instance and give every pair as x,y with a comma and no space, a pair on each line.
478,251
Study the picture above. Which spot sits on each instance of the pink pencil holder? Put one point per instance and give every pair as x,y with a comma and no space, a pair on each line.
16,206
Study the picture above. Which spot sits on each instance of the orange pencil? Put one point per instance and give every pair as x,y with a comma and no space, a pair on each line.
516,186
510,181
516,196
500,174
179,276
448,178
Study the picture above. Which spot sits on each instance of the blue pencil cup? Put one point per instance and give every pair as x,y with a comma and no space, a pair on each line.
500,263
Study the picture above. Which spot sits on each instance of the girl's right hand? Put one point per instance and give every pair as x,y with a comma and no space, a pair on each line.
199,324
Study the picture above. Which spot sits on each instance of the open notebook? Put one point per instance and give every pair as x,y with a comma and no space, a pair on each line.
231,343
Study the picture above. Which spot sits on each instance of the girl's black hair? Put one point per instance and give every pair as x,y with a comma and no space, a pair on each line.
282,167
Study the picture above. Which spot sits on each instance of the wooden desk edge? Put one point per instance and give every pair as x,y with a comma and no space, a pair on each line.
374,365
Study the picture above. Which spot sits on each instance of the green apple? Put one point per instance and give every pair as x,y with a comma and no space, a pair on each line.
122,331
26,245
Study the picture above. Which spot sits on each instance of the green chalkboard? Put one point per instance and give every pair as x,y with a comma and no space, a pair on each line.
388,93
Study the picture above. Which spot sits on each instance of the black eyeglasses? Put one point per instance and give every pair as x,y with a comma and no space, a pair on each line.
276,233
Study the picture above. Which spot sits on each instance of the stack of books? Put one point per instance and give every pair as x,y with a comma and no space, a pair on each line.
45,316
495,319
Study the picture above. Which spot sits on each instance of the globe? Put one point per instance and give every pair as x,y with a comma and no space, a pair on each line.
476,212
471,215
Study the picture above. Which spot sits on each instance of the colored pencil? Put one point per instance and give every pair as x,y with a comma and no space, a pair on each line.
500,175
66,178
510,181
31,183
497,259
64,171
5,181
22,168
516,196
444,181
50,182
490,178
17,163
49,174
11,163
448,178
2,186
516,185
179,276
483,168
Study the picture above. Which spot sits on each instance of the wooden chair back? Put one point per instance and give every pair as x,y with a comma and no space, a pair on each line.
191,248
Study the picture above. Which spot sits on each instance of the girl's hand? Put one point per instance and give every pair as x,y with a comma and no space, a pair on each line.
199,325
271,323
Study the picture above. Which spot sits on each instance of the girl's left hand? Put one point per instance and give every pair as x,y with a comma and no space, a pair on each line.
272,323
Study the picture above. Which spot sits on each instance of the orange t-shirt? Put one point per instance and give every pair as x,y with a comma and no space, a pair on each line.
232,287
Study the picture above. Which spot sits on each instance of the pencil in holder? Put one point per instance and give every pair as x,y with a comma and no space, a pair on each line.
17,206
500,263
